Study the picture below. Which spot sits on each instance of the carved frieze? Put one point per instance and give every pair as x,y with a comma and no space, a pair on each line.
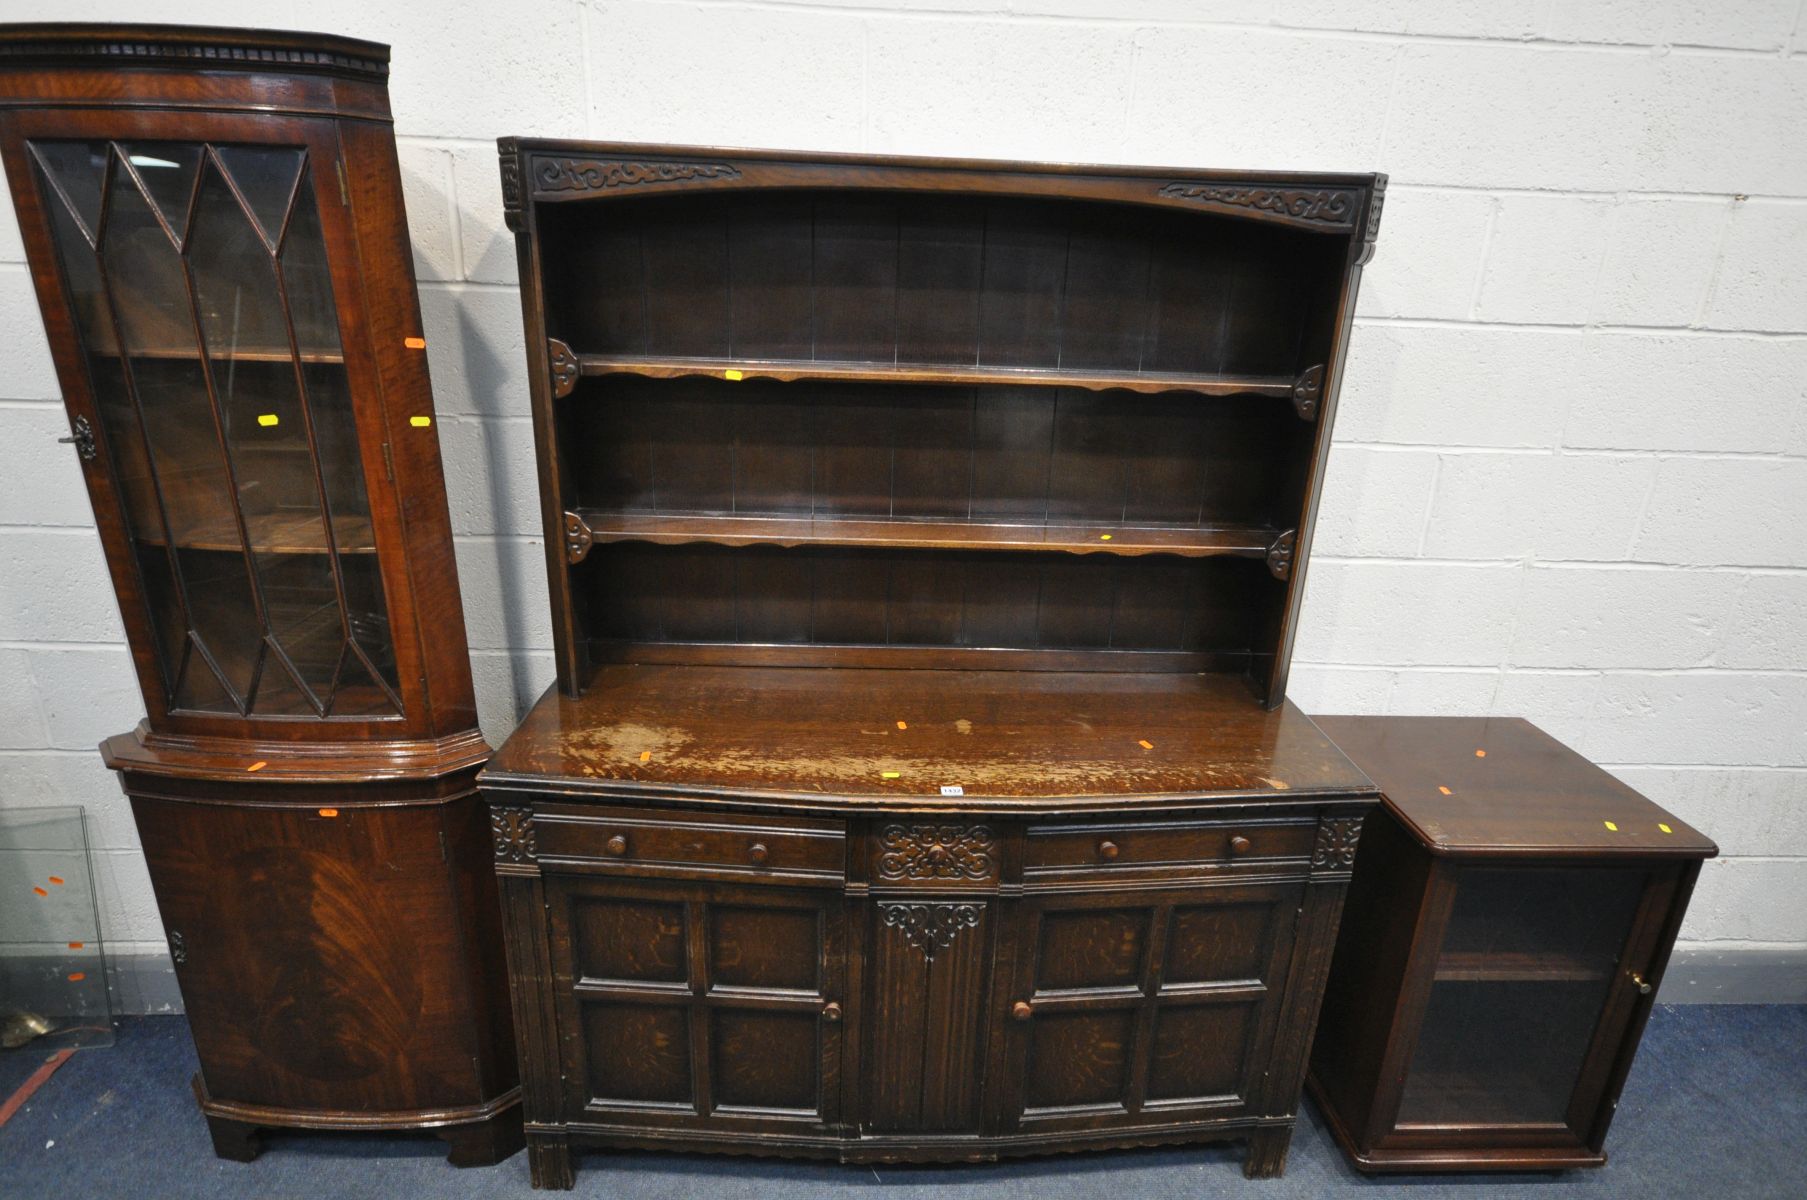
930,927
513,828
1320,206
1372,231
931,851
511,183
598,174
1337,838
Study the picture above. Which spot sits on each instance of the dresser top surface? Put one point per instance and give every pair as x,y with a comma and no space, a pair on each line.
1497,786
903,739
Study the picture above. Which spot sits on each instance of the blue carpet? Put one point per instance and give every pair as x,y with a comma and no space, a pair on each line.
1716,1107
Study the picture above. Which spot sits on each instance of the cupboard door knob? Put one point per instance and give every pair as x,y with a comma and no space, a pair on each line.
1021,1010
1240,844
1643,984
1107,850
758,853
831,1012
616,845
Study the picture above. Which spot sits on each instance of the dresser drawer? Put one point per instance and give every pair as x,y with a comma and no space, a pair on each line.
663,842
1165,848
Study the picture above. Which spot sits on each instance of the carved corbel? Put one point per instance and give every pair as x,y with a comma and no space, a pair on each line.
565,367
1280,555
1308,391
578,538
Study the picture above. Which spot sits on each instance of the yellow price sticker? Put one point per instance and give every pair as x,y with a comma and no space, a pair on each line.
733,376
1664,827
420,422
890,774
1610,826
266,419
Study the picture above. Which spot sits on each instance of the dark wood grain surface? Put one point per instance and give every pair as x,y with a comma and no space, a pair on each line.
1500,785
901,736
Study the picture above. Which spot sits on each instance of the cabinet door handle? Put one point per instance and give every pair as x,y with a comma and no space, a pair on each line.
831,1012
1022,1010
1107,850
616,845
758,853
1643,984
1240,844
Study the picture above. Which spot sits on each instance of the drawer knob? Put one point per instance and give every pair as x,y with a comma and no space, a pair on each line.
1240,844
1107,850
831,1012
616,845
1643,984
758,853
1022,1010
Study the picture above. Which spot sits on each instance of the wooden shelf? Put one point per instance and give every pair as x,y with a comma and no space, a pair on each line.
944,373
254,354
297,533
1517,967
1189,541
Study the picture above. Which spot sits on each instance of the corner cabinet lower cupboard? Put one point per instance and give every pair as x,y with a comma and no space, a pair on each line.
891,978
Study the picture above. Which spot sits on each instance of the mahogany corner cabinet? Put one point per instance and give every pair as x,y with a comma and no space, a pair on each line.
925,542
1512,911
213,220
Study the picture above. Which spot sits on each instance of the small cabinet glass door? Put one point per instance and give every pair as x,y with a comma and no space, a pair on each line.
1525,991
197,274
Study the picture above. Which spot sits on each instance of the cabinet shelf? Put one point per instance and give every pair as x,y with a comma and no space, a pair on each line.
790,370
245,354
1251,541
1518,967
276,533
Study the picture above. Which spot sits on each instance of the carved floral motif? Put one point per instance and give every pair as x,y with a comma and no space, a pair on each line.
931,851
1327,207
930,927
565,367
1337,838
585,174
1280,555
578,538
513,828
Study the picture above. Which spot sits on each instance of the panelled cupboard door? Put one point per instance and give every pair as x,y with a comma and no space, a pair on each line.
1141,1009
707,1006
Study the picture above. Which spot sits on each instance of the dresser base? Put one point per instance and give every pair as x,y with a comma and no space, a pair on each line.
550,1148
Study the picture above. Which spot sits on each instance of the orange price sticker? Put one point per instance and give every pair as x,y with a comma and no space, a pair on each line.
1444,790
57,879
77,976
1480,754
1146,744
259,765
329,812
903,724
415,343
646,756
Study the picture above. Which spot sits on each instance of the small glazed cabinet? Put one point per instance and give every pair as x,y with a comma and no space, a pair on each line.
214,226
1512,911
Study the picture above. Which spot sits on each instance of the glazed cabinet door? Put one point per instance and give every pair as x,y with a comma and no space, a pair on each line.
1138,1009
709,1006
1526,1008
198,287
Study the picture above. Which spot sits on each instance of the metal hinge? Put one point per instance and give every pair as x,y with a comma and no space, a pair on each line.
344,192
178,947
389,462
1280,555
578,538
1308,391
565,367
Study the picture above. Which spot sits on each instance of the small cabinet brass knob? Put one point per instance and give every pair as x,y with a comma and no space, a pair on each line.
1240,844
1107,850
616,845
1021,1010
1643,984
758,853
831,1012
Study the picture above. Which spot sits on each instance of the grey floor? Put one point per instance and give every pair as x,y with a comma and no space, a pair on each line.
1716,1107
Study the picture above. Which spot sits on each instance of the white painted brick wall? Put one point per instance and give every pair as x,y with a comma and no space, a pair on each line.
1571,473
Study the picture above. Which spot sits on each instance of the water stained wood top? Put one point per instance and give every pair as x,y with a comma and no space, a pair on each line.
862,737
